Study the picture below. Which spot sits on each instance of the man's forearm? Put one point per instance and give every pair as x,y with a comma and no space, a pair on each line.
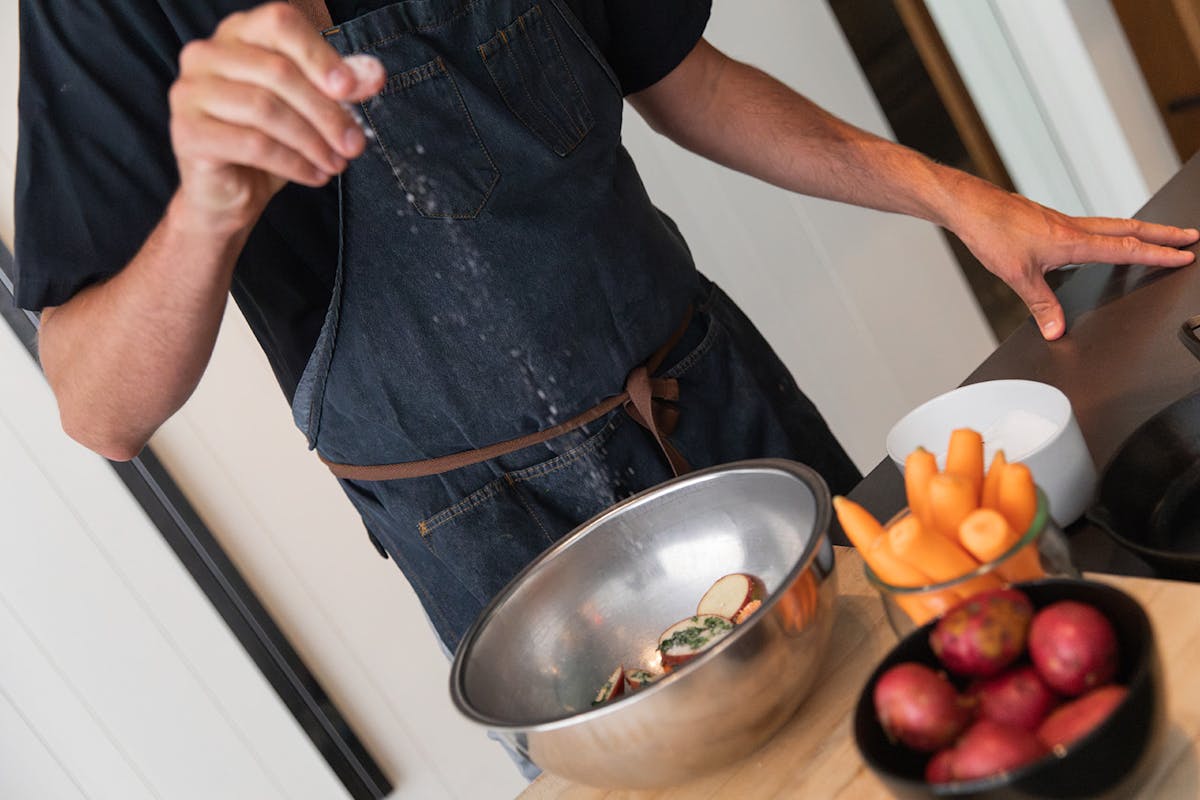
124,355
739,116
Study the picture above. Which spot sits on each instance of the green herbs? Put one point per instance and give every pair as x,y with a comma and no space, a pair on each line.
704,632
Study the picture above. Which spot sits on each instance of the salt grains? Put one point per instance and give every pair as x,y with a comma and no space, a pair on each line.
1018,433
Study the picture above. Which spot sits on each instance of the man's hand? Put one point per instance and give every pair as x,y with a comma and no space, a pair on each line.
1020,241
259,104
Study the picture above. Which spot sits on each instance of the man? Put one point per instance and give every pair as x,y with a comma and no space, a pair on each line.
472,317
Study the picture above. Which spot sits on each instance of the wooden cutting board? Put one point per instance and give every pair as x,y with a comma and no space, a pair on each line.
814,756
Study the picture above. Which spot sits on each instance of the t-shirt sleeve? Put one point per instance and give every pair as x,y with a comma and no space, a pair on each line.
94,164
649,39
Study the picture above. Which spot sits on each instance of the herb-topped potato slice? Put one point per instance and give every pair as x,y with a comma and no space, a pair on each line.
640,678
690,637
613,688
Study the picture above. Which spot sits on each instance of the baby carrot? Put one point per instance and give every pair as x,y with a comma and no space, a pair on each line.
884,562
890,569
937,556
951,498
964,458
1017,498
858,523
919,467
991,482
986,535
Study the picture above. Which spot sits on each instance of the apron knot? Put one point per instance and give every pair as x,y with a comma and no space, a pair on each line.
652,405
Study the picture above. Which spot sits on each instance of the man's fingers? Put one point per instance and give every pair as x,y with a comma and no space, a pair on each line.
249,106
1146,231
276,73
208,139
1047,311
369,74
1126,250
279,27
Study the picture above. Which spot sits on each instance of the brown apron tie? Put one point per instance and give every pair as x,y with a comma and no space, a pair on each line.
649,401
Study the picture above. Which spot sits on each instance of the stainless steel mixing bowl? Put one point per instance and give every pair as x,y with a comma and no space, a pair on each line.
531,664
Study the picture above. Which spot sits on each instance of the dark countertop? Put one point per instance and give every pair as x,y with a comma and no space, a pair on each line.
1120,362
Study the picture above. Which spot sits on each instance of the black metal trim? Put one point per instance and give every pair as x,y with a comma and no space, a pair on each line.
211,568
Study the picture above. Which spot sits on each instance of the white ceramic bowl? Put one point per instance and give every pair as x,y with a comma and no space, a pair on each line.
1032,422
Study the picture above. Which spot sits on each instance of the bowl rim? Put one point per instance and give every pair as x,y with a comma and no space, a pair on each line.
1049,389
1141,672
822,520
1041,519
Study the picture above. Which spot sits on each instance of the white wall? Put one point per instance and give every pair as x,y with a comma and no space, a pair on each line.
118,680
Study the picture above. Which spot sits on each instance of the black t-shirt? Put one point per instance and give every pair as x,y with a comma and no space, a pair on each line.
95,168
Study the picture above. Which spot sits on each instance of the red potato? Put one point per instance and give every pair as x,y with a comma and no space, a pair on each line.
1073,647
1018,698
1077,718
747,610
940,768
613,687
988,748
690,637
730,594
919,707
983,634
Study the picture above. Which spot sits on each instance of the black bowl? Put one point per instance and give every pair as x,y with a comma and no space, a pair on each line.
1110,761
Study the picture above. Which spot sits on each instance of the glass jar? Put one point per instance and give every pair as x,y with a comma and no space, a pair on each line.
902,604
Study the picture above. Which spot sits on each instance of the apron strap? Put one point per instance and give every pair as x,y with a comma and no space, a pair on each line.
651,402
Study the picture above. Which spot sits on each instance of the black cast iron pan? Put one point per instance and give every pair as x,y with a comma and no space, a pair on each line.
1149,496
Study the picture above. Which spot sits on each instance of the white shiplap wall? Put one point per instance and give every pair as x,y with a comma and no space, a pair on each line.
117,678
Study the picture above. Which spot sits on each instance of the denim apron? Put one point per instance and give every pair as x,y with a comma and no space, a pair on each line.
501,270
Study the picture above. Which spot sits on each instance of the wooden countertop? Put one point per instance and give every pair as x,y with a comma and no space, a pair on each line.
814,756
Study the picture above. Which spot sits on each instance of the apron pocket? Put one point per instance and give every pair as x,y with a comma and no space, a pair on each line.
528,67
431,144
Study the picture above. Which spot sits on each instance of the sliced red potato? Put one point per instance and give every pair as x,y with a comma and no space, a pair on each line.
613,687
731,594
690,637
746,611
640,678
